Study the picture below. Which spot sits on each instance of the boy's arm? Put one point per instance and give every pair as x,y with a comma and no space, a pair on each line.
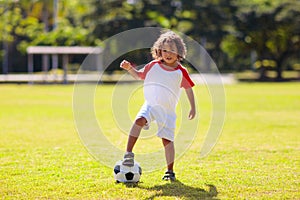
190,95
131,70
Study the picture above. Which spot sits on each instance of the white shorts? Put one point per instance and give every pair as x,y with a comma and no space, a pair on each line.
166,120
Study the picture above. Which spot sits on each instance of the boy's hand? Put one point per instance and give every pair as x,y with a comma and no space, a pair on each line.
126,65
192,114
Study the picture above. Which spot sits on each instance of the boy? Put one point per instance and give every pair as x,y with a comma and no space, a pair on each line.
163,78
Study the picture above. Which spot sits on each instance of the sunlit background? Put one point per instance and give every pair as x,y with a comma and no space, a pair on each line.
255,40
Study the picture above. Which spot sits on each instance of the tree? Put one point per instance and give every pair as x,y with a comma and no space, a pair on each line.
208,22
230,30
205,21
113,17
10,18
271,29
26,23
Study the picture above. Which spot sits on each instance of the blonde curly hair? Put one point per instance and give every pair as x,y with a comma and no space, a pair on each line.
168,37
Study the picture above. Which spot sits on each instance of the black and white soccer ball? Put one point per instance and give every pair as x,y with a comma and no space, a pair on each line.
125,174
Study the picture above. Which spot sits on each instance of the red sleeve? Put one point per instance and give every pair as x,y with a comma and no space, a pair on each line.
186,79
143,72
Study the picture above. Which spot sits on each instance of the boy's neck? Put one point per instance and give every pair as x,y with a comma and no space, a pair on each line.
170,66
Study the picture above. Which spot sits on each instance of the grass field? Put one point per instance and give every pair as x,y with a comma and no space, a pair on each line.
256,157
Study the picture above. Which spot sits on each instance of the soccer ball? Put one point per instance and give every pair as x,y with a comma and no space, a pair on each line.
126,174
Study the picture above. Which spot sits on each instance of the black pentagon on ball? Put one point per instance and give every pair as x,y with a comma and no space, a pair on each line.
129,176
140,170
117,169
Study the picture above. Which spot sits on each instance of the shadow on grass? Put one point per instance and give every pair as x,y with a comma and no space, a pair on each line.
178,190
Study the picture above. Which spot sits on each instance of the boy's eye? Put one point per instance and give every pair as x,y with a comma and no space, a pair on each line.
166,51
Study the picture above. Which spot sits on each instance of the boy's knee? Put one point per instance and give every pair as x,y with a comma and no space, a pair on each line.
166,142
141,121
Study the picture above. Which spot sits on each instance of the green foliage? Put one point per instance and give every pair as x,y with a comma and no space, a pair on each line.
64,35
9,20
229,29
268,27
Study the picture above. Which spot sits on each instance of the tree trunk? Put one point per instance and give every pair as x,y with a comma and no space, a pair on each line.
279,65
5,58
262,74
279,72
45,15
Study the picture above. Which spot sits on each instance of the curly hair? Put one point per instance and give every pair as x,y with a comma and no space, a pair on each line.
168,37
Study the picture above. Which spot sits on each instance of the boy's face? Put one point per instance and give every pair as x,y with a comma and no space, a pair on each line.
169,53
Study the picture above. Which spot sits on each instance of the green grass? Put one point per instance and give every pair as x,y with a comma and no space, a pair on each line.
256,157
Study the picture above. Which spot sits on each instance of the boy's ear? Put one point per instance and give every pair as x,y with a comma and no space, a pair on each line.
158,52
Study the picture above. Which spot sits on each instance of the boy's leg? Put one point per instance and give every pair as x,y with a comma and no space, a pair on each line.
132,138
169,153
135,133
170,156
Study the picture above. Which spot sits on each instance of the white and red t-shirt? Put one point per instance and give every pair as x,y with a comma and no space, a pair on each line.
162,86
